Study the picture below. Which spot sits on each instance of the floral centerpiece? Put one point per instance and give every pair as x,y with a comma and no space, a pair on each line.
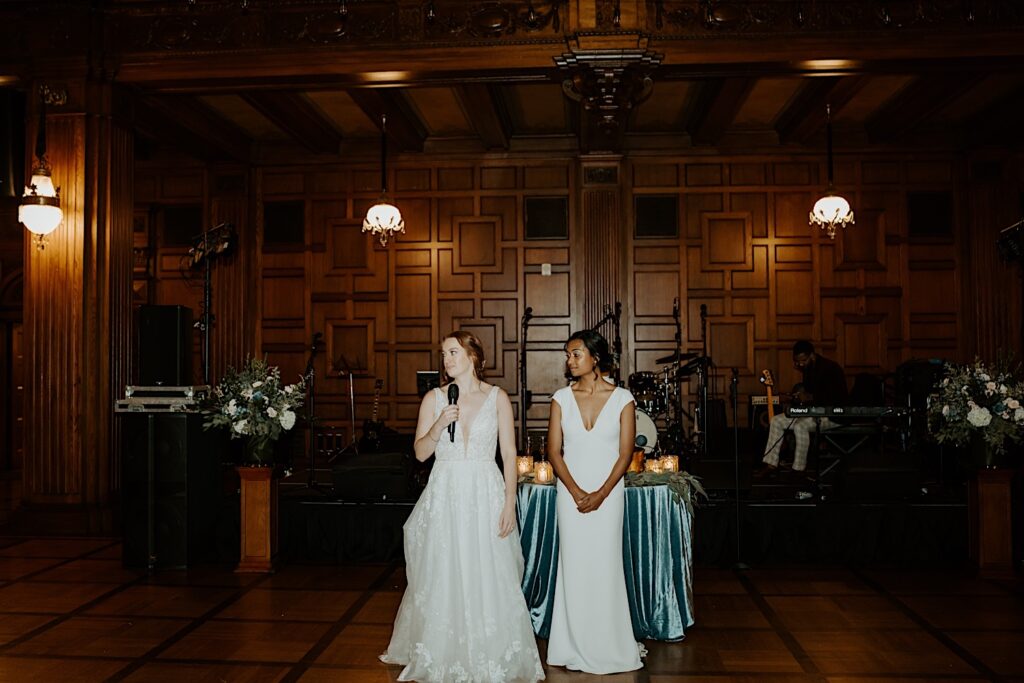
254,404
980,406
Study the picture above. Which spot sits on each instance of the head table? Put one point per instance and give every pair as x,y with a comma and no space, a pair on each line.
656,556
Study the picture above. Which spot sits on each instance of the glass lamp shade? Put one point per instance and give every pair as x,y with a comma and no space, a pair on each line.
831,212
383,220
39,210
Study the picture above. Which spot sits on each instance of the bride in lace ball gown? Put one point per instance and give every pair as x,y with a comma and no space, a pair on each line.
463,616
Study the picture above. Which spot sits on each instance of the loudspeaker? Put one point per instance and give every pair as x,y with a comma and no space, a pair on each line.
373,477
170,490
165,346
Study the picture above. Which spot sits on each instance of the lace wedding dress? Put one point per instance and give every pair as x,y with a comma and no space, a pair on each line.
463,616
591,629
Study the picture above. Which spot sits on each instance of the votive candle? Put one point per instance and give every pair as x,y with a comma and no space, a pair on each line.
524,464
542,473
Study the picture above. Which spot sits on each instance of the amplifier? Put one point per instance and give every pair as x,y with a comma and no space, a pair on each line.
187,399
762,400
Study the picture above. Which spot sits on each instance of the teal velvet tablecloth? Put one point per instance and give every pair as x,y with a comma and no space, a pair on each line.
656,557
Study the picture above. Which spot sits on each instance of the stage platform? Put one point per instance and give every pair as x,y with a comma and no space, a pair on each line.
777,527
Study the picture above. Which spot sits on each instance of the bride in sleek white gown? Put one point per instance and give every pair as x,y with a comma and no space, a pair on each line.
463,616
590,443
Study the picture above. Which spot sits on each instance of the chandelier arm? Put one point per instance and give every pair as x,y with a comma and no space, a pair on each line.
828,142
41,131
383,154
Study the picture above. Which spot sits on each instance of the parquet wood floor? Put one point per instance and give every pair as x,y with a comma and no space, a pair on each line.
70,612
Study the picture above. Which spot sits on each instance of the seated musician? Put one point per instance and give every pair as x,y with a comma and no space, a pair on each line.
823,384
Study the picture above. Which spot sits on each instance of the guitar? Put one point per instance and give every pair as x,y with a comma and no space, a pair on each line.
769,383
370,442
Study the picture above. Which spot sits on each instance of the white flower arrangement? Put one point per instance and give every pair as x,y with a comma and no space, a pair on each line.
978,401
253,404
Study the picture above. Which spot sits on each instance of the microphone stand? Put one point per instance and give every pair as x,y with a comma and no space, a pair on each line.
526,395
353,444
613,315
702,381
617,343
310,375
734,394
203,250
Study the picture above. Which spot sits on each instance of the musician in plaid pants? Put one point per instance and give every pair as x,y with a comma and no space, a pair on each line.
823,384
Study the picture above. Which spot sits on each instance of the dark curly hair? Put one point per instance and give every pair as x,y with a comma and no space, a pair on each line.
597,346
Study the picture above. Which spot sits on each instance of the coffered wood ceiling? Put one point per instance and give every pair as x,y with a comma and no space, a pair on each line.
242,80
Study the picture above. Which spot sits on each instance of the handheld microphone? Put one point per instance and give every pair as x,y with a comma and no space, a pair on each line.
453,398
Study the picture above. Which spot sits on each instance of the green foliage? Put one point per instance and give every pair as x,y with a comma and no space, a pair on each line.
977,400
254,404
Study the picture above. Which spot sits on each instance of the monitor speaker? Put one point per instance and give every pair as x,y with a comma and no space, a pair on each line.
170,490
165,346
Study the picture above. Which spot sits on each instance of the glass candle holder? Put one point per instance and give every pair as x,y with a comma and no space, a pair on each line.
637,463
524,464
652,465
670,463
542,473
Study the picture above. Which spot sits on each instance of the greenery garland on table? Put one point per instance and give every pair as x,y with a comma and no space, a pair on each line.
684,486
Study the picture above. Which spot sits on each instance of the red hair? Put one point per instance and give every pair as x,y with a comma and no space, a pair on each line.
472,346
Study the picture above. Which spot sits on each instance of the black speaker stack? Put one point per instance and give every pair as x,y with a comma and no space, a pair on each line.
165,346
171,467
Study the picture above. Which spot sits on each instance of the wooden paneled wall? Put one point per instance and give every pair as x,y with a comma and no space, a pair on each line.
870,299
874,297
77,310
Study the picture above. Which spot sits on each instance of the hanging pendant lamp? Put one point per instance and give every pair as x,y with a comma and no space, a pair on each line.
39,210
832,210
383,219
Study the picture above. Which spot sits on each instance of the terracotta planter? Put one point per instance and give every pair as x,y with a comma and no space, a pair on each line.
259,519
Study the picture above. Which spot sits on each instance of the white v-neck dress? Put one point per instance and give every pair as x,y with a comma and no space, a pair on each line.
463,617
590,625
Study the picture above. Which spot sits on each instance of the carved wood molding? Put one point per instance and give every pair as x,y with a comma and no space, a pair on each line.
607,83
123,27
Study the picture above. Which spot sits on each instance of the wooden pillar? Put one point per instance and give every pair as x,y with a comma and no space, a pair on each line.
77,311
599,244
258,519
992,289
235,278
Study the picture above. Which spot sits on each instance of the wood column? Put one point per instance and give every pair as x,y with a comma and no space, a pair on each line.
78,311
992,288
235,277
599,245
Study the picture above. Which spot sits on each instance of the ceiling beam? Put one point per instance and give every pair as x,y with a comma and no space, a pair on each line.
805,114
190,124
404,127
299,118
715,108
486,110
910,107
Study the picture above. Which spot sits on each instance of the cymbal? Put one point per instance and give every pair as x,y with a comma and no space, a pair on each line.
675,358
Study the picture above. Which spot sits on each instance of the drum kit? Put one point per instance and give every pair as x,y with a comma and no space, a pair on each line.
659,398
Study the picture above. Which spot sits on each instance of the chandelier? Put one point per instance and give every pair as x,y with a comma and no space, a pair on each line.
383,219
39,209
832,210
